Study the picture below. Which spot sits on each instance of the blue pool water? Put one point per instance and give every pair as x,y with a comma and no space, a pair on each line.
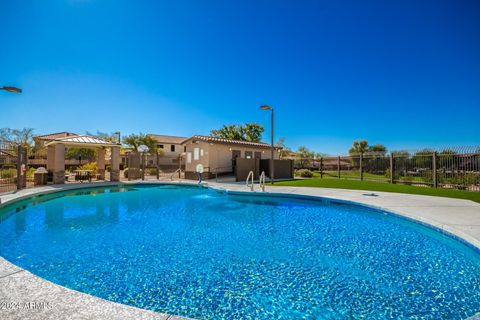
200,253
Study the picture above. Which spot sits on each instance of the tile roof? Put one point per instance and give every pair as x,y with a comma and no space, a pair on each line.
228,141
168,139
53,136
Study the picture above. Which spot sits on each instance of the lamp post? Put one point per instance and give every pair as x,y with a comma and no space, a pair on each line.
11,89
265,107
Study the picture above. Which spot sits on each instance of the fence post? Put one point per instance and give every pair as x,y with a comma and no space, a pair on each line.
180,168
21,167
338,167
158,165
321,167
434,169
391,168
361,168
143,165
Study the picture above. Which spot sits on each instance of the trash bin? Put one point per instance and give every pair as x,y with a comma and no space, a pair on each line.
40,177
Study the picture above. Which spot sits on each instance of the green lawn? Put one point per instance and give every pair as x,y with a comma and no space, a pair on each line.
355,174
381,186
351,174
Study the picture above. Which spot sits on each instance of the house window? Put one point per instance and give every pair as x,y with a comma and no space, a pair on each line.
196,152
189,157
201,152
160,146
185,149
172,148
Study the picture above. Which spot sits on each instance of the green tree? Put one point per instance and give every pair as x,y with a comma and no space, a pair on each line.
111,137
232,132
401,154
253,132
304,156
22,137
446,158
423,158
83,153
318,155
378,149
249,132
283,150
135,140
358,147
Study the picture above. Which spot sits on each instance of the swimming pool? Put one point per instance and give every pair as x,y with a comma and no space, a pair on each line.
201,253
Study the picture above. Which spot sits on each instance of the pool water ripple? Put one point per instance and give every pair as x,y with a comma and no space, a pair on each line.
205,254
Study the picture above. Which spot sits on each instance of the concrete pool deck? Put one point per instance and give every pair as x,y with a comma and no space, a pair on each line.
26,296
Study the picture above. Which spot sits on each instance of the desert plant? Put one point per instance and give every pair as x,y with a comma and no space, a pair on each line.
304,157
151,171
135,140
8,173
88,166
304,173
30,173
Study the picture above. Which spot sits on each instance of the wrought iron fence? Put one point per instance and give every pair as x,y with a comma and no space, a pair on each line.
452,168
8,168
149,167
13,167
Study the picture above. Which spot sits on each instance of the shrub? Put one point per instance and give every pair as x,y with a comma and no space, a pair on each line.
151,171
304,173
125,173
30,173
88,166
8,173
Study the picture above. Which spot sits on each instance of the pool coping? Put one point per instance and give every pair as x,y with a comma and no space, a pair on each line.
30,296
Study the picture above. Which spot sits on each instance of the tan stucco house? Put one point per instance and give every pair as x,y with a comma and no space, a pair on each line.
171,147
218,155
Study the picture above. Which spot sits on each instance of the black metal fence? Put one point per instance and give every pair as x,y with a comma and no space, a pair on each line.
8,168
13,167
452,168
149,167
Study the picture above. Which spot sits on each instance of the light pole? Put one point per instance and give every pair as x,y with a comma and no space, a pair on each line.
11,89
265,107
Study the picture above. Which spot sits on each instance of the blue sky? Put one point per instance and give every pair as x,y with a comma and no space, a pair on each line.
402,73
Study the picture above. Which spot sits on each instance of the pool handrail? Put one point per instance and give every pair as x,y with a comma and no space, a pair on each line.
261,181
179,170
250,174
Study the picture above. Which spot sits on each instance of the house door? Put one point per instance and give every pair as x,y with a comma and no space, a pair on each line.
235,154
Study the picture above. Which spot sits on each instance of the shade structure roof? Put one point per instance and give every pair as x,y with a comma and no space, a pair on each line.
83,141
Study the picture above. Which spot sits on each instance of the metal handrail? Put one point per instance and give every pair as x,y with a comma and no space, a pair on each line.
262,181
250,174
179,173
215,171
